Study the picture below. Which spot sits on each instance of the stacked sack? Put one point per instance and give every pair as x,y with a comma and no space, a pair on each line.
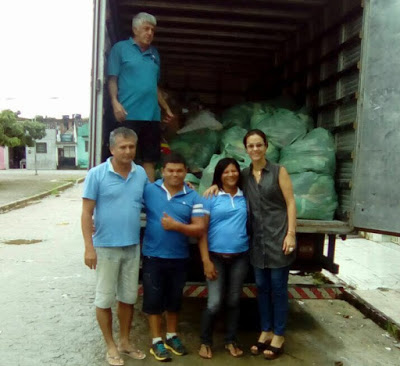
311,163
308,154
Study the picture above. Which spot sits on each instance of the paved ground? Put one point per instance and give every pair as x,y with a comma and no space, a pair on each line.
16,184
372,270
47,316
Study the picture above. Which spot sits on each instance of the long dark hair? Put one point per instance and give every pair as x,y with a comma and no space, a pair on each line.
219,169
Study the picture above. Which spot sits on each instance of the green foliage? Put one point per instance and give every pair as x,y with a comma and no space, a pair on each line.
35,131
19,133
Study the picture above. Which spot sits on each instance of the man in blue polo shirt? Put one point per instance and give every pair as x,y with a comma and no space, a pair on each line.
113,193
134,72
174,212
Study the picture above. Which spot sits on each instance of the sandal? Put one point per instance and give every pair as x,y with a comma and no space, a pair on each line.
260,347
276,352
234,349
134,353
205,351
114,360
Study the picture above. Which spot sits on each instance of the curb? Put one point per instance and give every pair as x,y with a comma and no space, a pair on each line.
24,201
365,308
379,318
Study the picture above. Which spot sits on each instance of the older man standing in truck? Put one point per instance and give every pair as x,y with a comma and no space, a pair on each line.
134,72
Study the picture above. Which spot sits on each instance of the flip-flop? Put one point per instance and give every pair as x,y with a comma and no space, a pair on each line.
208,349
136,354
114,360
276,352
235,347
261,347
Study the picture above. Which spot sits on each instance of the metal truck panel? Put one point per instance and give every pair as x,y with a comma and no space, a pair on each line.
377,156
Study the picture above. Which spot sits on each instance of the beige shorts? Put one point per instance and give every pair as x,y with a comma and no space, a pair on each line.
117,275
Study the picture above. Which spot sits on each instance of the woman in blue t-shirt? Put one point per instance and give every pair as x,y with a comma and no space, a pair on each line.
224,252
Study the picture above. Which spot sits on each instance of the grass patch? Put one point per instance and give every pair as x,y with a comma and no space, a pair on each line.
393,330
319,279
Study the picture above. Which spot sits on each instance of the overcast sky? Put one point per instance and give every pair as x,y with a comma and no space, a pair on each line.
45,56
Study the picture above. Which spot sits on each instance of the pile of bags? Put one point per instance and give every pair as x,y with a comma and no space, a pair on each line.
308,154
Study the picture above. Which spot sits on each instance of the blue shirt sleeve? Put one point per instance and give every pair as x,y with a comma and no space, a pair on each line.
91,186
198,209
114,61
207,203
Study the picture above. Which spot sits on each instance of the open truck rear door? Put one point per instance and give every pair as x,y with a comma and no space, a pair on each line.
376,194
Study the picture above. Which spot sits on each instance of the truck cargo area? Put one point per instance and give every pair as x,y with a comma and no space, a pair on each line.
227,52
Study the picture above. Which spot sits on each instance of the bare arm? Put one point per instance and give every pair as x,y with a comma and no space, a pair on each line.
195,228
287,190
87,230
208,265
119,111
164,105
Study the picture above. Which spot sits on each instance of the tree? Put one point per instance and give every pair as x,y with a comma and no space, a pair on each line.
19,133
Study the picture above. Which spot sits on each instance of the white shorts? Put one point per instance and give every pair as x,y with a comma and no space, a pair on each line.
117,275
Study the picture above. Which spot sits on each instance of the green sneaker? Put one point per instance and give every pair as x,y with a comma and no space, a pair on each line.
159,352
175,345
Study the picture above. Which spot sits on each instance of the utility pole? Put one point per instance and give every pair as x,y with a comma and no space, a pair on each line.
35,158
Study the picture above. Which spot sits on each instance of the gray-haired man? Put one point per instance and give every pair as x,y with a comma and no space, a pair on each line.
134,72
113,194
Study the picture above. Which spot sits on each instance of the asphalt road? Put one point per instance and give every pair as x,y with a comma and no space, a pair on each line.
16,184
47,314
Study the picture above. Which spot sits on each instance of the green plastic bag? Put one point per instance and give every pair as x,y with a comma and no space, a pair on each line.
282,127
315,152
232,142
197,147
238,115
315,196
193,180
272,153
208,172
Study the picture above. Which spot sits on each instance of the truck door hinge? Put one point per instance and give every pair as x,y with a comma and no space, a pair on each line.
98,85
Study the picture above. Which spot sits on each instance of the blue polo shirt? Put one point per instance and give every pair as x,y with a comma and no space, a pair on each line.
227,231
138,75
118,204
181,207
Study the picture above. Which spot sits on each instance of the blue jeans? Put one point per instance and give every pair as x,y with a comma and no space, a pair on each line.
231,275
273,300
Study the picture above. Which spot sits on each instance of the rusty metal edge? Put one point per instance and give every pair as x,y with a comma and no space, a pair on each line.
371,312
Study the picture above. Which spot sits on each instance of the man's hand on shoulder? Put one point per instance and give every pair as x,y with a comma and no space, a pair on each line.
119,111
91,258
168,222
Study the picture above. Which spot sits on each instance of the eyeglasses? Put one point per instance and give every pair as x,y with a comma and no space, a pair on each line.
253,146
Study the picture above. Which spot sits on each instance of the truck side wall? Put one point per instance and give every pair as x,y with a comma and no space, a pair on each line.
322,64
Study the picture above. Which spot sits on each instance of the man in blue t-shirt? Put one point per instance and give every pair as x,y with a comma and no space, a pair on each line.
174,212
113,194
134,73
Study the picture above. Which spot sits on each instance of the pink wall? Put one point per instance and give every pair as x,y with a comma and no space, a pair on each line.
2,162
